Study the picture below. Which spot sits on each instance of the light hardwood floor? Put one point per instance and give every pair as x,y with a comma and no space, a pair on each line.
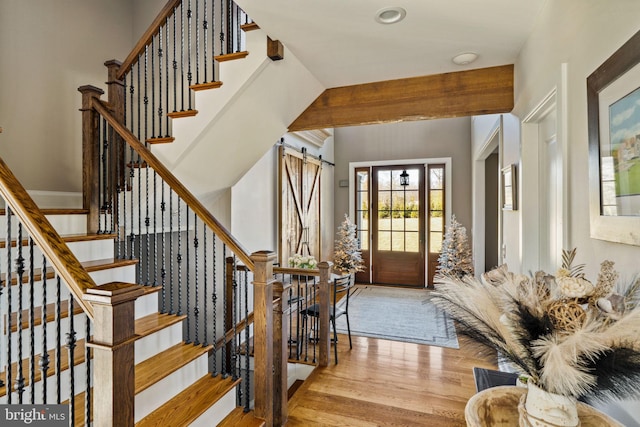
387,383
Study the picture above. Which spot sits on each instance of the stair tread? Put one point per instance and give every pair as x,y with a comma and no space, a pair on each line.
190,403
152,370
57,211
78,358
239,418
69,238
79,410
154,322
90,266
231,56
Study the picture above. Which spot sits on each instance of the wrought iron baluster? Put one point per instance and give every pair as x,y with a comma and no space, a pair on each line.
229,47
146,96
71,345
171,281
196,309
188,287
87,361
102,179
58,346
155,228
182,52
44,358
205,30
234,318
147,224
213,42
175,64
222,27
225,325
9,278
6,282
247,337
166,62
179,259
153,89
163,271
214,303
160,55
205,288
32,324
20,270
189,72
237,27
197,30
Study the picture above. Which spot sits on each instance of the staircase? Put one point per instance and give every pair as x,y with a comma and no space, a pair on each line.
72,332
173,386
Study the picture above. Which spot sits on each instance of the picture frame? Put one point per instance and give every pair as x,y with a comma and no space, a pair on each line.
614,146
509,188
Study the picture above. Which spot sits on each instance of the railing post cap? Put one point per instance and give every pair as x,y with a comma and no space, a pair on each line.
113,293
263,256
325,264
112,63
89,89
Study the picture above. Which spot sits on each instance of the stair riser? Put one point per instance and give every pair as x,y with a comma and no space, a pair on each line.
79,326
216,413
157,342
124,274
80,382
146,305
63,224
84,251
153,397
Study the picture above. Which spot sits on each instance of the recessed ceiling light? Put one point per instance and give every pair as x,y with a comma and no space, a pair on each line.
390,15
465,58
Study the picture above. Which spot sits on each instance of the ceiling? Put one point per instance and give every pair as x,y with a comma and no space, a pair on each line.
340,42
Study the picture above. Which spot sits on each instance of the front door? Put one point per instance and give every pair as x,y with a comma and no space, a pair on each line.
398,236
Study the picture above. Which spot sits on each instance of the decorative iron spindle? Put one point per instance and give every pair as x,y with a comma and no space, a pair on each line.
103,177
175,64
160,55
214,302
58,346
44,357
155,229
196,310
182,52
225,323
237,28
32,324
205,29
197,43
189,72
213,42
205,321
87,361
234,320
153,91
8,375
171,281
147,224
187,286
166,62
163,271
20,270
179,260
146,96
247,337
71,345
222,26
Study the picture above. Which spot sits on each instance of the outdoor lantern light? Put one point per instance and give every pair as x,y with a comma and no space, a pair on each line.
404,178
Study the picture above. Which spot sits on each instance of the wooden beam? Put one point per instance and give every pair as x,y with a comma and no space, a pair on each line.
458,94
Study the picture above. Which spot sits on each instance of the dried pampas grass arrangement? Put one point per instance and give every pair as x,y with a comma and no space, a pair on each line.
569,336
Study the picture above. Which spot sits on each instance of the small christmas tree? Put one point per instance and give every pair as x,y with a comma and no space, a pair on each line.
347,257
455,258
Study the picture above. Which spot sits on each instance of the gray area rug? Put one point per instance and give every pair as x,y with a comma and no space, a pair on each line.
398,314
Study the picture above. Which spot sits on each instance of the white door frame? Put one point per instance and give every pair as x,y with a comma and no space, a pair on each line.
493,141
530,175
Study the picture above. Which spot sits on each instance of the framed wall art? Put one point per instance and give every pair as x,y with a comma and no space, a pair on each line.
613,109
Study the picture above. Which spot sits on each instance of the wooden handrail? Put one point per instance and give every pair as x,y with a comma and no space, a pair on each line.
46,237
148,35
173,182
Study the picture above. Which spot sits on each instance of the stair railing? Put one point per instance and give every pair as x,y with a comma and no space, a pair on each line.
49,296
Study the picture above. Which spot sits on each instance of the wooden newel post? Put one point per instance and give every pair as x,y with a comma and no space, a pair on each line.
90,156
324,327
263,334
113,353
117,98
280,353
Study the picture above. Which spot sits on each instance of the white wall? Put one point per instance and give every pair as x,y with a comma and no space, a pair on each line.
582,34
395,141
48,49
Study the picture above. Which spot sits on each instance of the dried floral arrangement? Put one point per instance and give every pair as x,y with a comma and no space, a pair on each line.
568,335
